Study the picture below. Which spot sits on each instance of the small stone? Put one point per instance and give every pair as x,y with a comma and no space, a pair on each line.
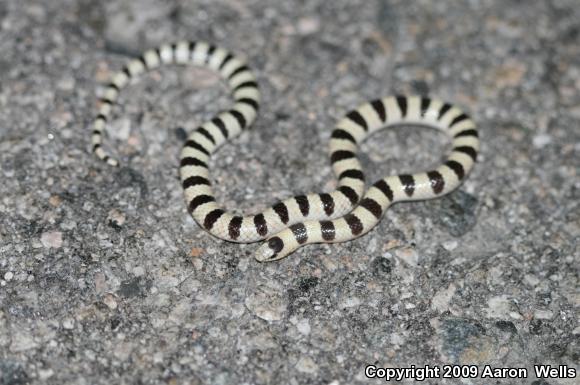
8,276
544,298
408,255
303,327
457,213
102,72
306,284
450,245
134,141
66,84
157,358
197,264
372,246
55,200
537,327
391,244
181,134
308,25
110,301
381,267
68,323
543,314
100,282
51,239
131,288
122,351
515,315
541,140
463,339
267,304
306,365
21,341
116,218
510,74
506,326
442,298
350,302
196,252
45,374
498,307
88,206
12,373
120,129
531,280
68,225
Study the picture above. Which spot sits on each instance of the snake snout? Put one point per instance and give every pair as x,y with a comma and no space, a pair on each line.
264,253
270,251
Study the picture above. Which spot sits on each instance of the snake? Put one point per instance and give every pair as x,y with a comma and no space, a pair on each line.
346,213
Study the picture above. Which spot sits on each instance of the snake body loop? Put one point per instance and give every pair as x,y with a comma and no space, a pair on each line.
337,216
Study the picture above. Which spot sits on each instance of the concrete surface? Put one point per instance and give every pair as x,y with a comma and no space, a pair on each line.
106,279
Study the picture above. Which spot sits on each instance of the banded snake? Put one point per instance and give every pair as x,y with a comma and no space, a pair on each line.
338,216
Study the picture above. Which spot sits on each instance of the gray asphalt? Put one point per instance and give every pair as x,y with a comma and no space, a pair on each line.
104,278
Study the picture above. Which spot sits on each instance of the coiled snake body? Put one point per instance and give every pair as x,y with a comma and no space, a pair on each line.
337,216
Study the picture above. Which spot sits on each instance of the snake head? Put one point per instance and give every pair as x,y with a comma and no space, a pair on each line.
270,251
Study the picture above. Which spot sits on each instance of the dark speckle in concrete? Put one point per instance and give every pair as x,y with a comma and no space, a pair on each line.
381,266
540,382
181,133
506,326
306,284
12,373
457,213
458,334
132,288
